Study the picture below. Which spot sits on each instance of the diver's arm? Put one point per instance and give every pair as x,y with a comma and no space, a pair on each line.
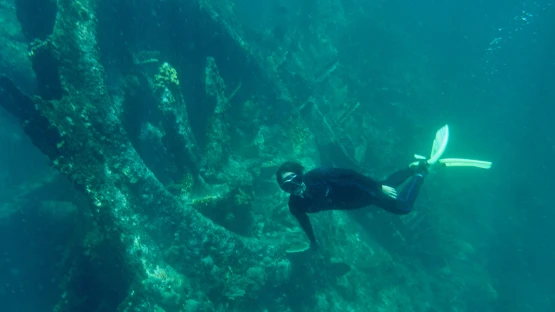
307,227
304,221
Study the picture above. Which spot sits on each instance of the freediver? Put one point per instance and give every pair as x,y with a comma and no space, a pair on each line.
322,189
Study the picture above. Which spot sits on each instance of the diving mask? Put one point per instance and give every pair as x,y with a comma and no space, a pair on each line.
293,184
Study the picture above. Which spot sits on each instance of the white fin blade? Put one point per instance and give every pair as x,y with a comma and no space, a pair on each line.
457,162
440,144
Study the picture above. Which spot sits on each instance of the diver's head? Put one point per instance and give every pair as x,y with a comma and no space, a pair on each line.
289,177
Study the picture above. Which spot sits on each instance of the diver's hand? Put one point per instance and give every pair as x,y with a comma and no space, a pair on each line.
389,191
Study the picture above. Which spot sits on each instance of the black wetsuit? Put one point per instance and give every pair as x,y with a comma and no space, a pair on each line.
344,189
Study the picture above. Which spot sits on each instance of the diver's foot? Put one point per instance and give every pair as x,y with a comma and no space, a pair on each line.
420,165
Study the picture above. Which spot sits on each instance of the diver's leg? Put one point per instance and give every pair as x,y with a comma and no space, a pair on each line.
406,197
400,176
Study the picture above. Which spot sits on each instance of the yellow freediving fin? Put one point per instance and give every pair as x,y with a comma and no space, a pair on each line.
458,162
438,148
440,144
